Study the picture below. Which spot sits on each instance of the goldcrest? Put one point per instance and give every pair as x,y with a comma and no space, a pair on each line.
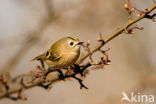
62,54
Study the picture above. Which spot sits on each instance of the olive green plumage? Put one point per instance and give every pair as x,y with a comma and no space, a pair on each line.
63,53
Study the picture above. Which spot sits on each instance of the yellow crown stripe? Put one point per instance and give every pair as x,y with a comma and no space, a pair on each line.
73,38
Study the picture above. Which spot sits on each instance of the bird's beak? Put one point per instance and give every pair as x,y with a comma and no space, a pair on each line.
79,43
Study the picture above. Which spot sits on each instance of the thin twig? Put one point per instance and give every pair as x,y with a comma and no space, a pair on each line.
118,32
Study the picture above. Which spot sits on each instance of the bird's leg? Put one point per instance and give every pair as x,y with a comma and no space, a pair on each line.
42,63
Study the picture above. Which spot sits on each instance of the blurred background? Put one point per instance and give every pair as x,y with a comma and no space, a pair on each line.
29,27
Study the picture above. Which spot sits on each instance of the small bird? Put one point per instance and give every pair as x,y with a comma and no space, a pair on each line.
62,54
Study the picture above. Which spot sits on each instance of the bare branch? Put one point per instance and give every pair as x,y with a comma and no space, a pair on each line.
118,32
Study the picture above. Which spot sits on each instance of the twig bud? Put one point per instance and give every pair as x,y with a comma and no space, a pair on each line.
132,9
132,32
98,39
126,6
88,42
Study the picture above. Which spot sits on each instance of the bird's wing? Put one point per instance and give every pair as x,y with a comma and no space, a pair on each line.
53,55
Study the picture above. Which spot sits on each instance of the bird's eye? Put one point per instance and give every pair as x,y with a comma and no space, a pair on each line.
71,43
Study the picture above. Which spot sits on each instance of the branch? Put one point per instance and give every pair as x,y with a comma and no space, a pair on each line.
45,78
42,79
118,32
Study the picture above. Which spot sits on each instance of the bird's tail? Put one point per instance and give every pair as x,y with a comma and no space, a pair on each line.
40,57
